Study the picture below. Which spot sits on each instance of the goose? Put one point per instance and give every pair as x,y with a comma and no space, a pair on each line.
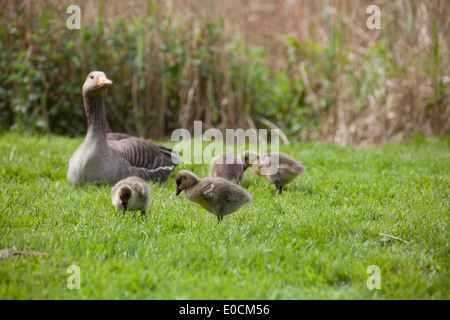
222,168
132,194
110,157
287,170
217,195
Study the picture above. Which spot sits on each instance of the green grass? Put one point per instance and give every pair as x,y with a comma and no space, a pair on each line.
315,241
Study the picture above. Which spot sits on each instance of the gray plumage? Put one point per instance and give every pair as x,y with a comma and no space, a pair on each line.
131,194
110,157
231,169
287,168
217,195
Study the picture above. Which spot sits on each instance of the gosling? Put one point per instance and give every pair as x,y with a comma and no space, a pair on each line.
217,195
286,171
132,194
228,166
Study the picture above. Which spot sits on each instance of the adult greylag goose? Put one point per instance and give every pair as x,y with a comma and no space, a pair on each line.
227,165
132,194
110,157
218,196
287,169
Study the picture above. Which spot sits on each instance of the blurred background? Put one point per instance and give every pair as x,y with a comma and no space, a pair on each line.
311,68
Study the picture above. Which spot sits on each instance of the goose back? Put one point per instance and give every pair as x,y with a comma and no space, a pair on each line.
218,195
233,172
285,162
287,171
146,159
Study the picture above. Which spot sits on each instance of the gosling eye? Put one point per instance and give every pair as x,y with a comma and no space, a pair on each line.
178,182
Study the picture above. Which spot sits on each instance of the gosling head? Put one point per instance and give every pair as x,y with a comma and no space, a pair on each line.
124,196
250,157
96,84
184,180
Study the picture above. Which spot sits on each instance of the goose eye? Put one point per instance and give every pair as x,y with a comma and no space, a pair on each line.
92,77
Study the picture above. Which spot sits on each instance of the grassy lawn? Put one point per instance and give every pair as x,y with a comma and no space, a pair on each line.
315,241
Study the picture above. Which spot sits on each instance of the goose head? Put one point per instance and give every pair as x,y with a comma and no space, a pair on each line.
96,84
184,180
250,157
124,196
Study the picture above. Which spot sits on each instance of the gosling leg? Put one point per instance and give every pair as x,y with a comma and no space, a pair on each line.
277,187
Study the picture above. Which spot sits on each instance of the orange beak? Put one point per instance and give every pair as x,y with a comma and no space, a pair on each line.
103,81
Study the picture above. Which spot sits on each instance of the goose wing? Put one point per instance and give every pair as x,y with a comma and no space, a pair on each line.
222,189
149,161
206,190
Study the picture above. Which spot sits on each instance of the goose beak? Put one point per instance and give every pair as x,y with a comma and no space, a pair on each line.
104,81
178,191
125,206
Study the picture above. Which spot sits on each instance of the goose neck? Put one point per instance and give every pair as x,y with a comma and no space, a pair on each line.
95,114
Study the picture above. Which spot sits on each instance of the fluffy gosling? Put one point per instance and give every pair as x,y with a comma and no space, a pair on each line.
132,194
287,170
217,195
231,169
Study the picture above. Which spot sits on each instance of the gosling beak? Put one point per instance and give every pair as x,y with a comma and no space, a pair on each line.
178,191
103,81
125,206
